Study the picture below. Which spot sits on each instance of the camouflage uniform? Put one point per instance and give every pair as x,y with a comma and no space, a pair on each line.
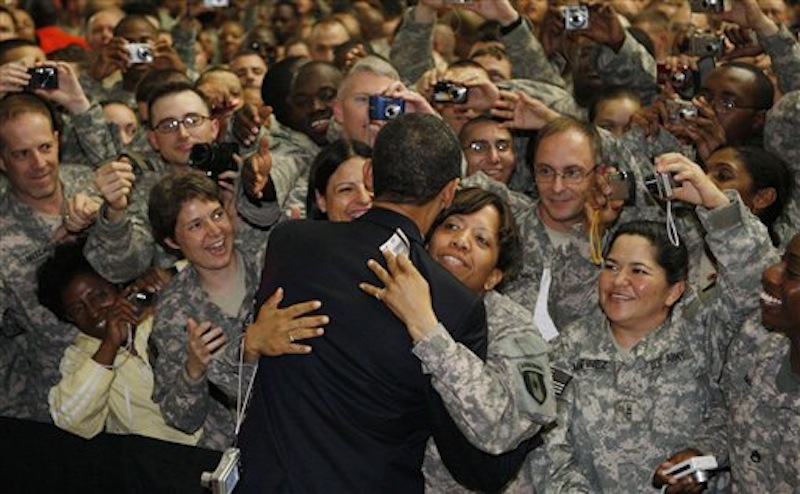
210,402
88,138
497,404
32,340
628,410
758,433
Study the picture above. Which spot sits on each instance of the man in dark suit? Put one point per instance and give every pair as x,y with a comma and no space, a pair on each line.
354,414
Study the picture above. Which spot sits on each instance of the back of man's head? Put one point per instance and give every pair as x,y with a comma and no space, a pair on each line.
415,156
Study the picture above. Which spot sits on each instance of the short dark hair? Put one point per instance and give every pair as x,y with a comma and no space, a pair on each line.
12,44
155,78
674,259
325,164
475,121
566,123
277,84
132,18
767,170
611,93
14,105
764,96
170,89
415,156
471,200
168,196
54,275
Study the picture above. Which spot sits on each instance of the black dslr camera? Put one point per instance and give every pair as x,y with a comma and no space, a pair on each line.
214,158
450,92
43,78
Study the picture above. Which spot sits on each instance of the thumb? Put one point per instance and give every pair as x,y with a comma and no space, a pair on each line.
263,145
273,300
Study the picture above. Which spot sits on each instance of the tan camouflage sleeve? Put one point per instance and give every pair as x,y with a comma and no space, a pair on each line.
411,52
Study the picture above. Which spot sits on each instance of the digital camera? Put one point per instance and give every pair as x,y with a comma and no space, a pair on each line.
576,17
43,78
679,78
216,3
707,45
622,186
709,6
661,185
140,53
224,478
699,467
385,108
214,158
680,109
450,92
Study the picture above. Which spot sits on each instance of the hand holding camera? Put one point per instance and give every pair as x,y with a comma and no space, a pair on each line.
699,125
596,21
14,77
687,181
686,483
58,82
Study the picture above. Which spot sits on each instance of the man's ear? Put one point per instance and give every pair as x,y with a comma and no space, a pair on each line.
759,119
368,176
449,192
214,128
764,198
151,138
338,113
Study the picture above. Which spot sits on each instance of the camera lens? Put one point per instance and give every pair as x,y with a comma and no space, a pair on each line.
392,112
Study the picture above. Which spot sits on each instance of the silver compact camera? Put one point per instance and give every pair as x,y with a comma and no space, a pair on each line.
707,45
661,185
576,17
224,478
680,109
709,6
216,3
140,53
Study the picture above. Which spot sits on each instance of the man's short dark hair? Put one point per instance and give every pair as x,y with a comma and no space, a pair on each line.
415,156
170,89
12,44
168,196
155,78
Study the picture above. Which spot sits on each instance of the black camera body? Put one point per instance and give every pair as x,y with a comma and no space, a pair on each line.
709,6
450,92
679,78
214,158
707,45
576,17
661,185
385,107
43,78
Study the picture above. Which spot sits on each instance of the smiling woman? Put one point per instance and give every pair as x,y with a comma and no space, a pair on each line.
336,189
644,370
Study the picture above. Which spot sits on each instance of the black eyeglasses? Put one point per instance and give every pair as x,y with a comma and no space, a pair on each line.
170,125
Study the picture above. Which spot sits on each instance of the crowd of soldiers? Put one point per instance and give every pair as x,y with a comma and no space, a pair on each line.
148,151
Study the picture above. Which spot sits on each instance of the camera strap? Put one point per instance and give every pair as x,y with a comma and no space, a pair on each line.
672,230
241,404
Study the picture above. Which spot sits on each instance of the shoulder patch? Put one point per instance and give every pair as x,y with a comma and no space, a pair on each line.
533,377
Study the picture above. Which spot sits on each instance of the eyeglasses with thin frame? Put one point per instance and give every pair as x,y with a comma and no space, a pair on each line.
570,175
482,146
189,121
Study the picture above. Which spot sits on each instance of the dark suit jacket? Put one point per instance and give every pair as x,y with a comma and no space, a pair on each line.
354,415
